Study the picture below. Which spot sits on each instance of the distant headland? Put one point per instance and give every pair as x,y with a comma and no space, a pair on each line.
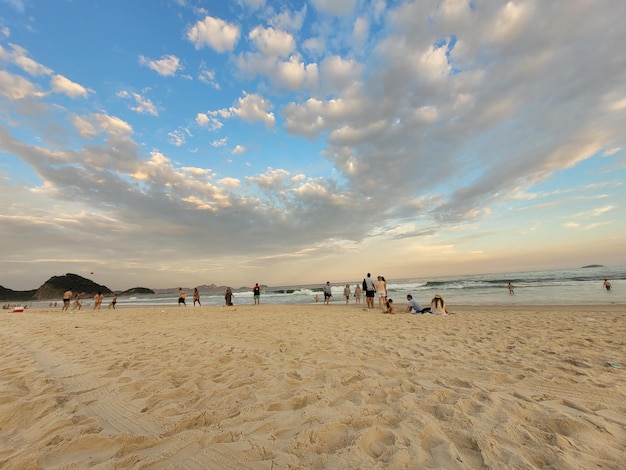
54,288
593,266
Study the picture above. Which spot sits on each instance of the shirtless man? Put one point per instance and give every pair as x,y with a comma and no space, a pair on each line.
607,284
66,299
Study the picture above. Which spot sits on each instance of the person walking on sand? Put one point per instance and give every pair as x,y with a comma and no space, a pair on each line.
256,291
511,288
67,297
181,297
357,294
607,285
113,302
196,297
346,293
370,290
77,304
328,292
97,300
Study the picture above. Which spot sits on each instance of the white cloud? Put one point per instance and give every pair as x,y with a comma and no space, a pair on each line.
16,87
335,7
19,57
208,77
273,42
220,142
208,121
177,138
60,84
360,32
143,105
289,21
166,66
239,150
215,33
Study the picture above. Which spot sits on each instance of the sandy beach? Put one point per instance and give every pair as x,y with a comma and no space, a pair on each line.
313,386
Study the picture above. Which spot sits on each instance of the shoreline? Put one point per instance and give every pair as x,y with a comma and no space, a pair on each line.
308,386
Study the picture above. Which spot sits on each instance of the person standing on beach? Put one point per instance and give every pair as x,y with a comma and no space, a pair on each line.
370,290
511,288
196,297
346,293
327,293
67,296
97,300
381,291
228,297
77,304
181,297
256,291
607,285
357,294
113,302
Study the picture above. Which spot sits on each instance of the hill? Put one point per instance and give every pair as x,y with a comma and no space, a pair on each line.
16,295
137,290
54,287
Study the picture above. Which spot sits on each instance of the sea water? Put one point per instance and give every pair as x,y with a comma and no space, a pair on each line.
553,287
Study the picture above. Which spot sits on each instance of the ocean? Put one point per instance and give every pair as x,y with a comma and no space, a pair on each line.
553,287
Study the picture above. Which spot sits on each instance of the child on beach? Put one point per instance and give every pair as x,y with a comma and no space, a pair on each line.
390,308
357,293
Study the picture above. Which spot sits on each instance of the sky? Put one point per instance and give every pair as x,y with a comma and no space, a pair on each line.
163,143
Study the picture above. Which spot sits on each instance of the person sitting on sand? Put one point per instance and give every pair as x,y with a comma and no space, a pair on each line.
438,306
414,306
390,307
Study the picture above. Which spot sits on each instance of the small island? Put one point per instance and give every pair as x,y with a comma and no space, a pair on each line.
593,266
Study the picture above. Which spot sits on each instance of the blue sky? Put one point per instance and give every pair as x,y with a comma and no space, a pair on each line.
179,142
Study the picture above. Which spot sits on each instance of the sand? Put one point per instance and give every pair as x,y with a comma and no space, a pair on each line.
313,386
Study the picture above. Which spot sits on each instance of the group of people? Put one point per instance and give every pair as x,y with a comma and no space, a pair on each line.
378,289
97,301
228,296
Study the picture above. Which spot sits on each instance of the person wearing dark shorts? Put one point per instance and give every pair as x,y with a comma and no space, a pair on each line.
370,290
181,296
327,293
67,296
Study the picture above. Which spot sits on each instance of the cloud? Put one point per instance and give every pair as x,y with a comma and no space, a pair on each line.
19,57
16,87
215,33
239,150
60,84
166,66
335,7
143,105
272,42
